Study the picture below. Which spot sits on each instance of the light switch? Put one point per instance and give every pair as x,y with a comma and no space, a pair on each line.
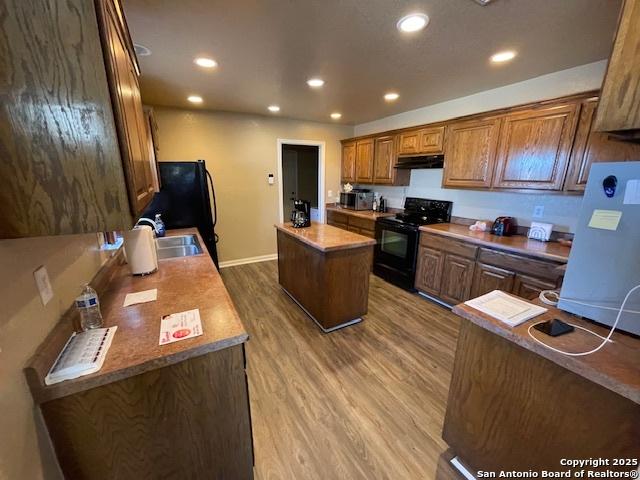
271,179
44,285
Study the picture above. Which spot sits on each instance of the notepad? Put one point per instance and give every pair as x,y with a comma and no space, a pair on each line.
141,297
506,308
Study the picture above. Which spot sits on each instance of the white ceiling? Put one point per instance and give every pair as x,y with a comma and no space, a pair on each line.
267,49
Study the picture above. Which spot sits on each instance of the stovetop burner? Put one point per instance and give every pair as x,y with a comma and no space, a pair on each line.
421,211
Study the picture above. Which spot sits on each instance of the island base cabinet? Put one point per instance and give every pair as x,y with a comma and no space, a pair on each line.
332,287
511,409
187,420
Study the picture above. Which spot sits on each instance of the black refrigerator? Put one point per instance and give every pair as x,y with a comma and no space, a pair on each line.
184,200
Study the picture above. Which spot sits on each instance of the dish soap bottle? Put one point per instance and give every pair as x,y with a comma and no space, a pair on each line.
88,305
161,230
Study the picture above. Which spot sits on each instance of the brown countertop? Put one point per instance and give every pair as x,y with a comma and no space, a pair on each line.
369,214
326,238
183,284
616,366
518,243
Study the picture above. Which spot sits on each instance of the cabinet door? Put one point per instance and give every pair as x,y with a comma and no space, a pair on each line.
364,161
487,278
429,270
432,140
470,153
534,148
457,277
383,171
127,103
337,219
530,287
590,147
409,142
619,101
348,163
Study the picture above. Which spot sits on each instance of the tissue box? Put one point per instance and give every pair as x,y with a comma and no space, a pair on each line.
540,231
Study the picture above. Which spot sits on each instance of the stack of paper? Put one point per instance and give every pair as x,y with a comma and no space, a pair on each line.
510,310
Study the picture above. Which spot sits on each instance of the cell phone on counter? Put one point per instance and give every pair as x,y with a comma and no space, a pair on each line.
554,328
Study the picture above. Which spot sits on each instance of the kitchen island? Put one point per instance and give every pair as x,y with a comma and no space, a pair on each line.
515,404
179,410
325,270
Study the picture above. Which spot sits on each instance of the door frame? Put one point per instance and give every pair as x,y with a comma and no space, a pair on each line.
321,172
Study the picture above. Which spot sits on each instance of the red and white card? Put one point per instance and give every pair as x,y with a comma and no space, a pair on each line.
180,326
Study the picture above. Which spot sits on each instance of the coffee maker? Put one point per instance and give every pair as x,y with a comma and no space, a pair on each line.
301,214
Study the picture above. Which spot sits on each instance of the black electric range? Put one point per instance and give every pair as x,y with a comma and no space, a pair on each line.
396,251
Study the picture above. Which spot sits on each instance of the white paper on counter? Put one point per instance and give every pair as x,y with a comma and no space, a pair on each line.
141,297
180,326
632,192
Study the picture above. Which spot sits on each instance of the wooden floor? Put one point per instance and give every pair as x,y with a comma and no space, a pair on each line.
364,402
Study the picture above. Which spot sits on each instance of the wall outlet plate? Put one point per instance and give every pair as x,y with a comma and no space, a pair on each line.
538,211
44,285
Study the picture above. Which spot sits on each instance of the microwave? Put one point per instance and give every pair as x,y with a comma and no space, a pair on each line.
357,200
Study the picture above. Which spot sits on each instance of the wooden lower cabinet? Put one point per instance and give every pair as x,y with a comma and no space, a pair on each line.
429,270
455,271
488,278
363,226
457,277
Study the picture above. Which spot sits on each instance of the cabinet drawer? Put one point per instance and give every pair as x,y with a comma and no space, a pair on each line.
456,247
337,217
519,263
365,223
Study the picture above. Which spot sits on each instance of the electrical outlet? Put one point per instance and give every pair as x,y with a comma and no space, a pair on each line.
44,285
538,211
330,194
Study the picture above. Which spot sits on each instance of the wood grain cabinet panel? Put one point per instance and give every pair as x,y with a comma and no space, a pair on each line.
337,219
619,108
348,173
534,148
429,270
60,166
488,278
127,105
590,147
384,160
432,140
409,142
470,155
364,160
457,277
530,287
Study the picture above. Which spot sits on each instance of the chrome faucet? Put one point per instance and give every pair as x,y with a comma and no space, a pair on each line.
155,226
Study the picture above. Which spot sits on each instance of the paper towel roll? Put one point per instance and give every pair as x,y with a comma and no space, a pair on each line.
140,248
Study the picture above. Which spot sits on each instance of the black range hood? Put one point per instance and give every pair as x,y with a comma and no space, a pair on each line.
423,161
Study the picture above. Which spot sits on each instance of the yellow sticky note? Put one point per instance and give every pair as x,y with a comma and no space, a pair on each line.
605,219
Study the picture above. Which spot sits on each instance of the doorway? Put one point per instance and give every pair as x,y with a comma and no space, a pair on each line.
301,174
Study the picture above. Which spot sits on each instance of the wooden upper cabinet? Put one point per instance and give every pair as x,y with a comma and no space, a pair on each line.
534,147
619,108
432,140
470,153
591,147
348,162
364,160
127,105
421,141
384,160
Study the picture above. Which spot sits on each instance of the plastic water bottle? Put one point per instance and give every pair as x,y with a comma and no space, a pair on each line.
161,230
88,305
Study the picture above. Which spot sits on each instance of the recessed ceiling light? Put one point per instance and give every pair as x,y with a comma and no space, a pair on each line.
315,82
391,96
336,115
501,57
205,62
413,22
273,108
194,98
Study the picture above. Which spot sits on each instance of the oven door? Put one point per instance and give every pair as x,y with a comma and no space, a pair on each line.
396,246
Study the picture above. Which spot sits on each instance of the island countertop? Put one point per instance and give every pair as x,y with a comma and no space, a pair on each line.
326,238
183,283
367,214
518,243
616,366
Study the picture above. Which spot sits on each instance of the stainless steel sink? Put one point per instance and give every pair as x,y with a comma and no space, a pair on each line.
179,246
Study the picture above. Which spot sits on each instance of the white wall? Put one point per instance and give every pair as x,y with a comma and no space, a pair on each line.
561,210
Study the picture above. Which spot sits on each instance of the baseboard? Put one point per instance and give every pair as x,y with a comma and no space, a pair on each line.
244,261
